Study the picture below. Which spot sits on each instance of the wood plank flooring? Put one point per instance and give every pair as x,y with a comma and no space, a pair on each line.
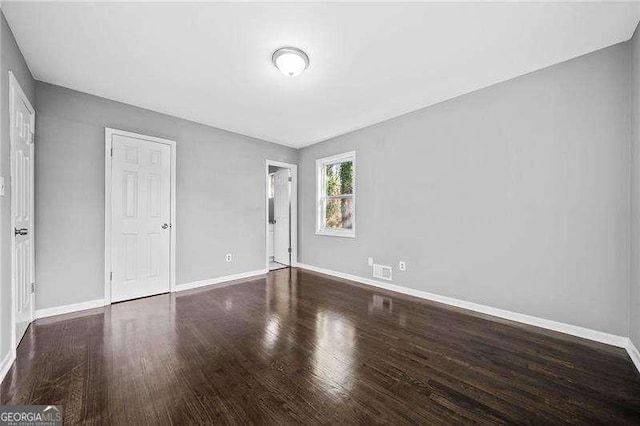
299,347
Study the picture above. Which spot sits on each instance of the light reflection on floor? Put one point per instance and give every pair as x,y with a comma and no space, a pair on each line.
271,332
334,352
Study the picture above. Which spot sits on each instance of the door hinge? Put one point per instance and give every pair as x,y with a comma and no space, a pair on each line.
112,152
33,287
289,249
290,179
33,138
110,276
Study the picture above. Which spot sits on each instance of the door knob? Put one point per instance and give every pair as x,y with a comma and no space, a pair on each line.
165,225
21,231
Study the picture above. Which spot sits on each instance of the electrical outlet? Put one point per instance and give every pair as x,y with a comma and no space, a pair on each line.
402,265
370,261
228,257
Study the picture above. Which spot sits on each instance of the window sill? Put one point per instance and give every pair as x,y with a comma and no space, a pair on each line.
332,233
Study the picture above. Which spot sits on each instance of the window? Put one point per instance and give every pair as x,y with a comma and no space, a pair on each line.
336,212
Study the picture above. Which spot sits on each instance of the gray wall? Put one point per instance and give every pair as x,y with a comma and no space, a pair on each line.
11,60
515,196
634,299
220,194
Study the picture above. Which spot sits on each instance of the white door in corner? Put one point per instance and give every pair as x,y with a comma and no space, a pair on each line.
22,271
141,218
281,216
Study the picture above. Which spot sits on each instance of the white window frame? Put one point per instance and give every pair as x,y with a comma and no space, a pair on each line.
321,199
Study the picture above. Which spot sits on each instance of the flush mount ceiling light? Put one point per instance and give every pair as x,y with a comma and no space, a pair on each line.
291,61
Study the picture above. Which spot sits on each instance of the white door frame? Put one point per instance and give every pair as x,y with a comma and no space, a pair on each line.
108,137
15,89
294,209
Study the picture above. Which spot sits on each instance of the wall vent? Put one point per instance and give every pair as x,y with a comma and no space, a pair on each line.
382,271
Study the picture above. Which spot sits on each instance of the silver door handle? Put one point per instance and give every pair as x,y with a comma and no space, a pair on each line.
21,231
165,225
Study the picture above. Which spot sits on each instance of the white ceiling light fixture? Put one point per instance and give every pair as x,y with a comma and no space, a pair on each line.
291,61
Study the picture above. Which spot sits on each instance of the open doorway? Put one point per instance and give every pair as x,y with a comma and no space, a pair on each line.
281,214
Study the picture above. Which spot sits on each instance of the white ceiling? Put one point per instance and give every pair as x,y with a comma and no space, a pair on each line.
211,63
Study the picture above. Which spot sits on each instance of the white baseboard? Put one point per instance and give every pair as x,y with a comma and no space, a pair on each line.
66,309
574,330
6,364
219,280
633,354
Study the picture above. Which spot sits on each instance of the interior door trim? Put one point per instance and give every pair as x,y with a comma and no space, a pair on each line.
16,90
108,137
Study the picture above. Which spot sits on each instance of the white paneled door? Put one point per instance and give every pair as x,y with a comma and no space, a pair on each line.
141,217
281,215
22,271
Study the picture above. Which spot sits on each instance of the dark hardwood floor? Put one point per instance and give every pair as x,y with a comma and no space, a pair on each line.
302,347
